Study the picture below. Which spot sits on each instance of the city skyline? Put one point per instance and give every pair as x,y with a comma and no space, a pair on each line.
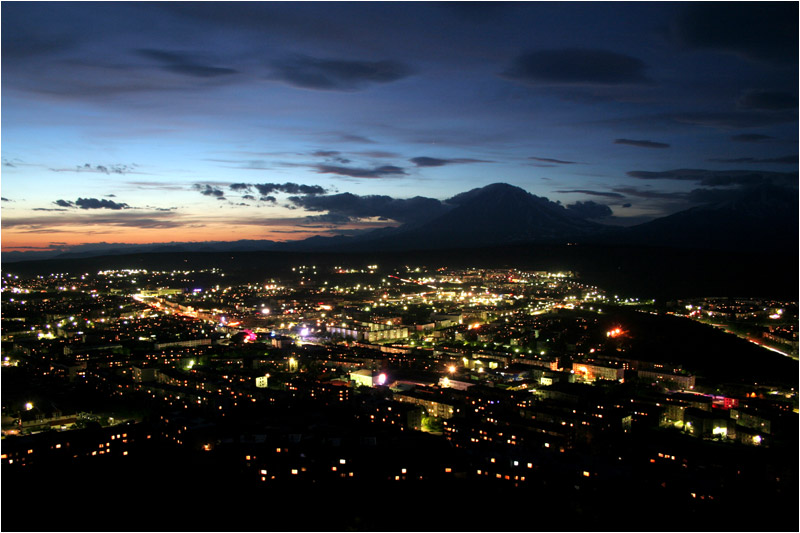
158,122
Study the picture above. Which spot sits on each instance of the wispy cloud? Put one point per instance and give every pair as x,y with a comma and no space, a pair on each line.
716,178
184,63
592,193
437,162
337,74
787,160
576,66
641,143
385,171
550,160
104,169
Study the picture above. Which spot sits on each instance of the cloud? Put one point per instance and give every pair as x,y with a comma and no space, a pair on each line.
182,63
94,203
349,207
641,144
788,159
4,199
126,219
351,138
716,178
593,193
589,209
208,190
64,203
734,119
332,155
750,137
651,194
378,154
549,160
337,74
764,32
379,172
576,66
435,162
768,100
175,186
104,169
265,189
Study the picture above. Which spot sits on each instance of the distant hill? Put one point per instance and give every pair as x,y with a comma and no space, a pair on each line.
756,218
759,218
497,214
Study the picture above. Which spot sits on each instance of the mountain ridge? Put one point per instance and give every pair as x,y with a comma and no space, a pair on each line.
500,214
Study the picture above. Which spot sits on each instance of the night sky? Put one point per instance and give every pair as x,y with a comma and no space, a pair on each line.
158,122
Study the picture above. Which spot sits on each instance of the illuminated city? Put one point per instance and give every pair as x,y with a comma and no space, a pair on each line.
341,378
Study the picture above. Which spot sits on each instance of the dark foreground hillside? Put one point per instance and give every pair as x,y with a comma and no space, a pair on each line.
651,272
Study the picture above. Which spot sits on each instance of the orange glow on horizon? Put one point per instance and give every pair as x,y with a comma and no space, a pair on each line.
24,240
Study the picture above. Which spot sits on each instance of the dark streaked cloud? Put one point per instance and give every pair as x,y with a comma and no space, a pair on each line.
759,31
104,169
750,137
593,193
715,178
337,74
208,190
556,161
641,143
768,100
4,199
127,219
651,194
182,63
379,154
331,155
348,207
436,162
733,119
576,66
378,172
589,209
788,160
92,203
102,203
265,189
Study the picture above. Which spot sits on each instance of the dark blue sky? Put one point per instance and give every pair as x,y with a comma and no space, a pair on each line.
162,121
